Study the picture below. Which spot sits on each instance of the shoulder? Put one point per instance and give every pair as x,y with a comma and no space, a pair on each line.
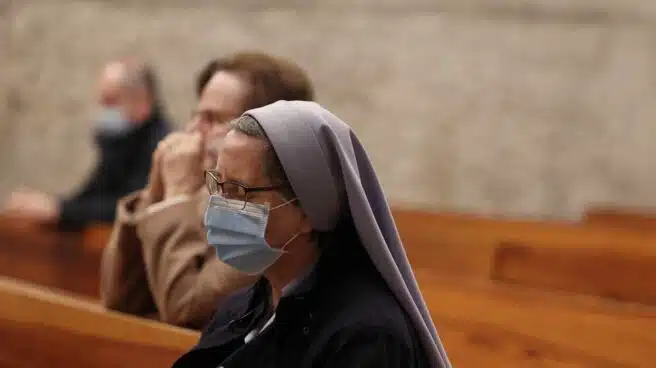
163,124
350,290
361,303
157,129
363,325
366,346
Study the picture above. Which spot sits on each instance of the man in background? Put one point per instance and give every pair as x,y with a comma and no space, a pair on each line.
157,262
131,122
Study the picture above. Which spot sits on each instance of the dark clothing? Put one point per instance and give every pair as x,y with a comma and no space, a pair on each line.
123,167
347,317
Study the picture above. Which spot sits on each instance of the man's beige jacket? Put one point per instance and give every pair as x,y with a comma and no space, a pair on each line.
157,263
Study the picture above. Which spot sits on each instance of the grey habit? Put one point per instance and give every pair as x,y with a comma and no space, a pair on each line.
329,169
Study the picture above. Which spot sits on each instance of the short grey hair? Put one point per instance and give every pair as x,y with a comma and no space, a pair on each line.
139,74
273,169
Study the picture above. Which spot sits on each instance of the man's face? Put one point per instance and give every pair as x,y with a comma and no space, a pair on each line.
240,161
221,101
133,102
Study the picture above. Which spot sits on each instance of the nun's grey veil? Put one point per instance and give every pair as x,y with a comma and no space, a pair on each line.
328,168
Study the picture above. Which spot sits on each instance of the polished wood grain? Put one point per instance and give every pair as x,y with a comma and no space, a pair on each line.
69,261
503,293
609,273
42,328
483,323
606,262
618,262
622,217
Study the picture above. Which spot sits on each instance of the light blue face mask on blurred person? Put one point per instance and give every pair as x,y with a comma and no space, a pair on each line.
113,122
237,231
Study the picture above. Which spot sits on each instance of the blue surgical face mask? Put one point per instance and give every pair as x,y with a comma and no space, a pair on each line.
112,121
237,232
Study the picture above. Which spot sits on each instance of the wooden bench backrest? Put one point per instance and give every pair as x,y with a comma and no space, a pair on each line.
481,324
614,274
42,328
487,324
624,218
462,244
571,257
68,261
95,237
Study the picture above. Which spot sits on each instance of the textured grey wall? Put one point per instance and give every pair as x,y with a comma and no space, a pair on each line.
533,107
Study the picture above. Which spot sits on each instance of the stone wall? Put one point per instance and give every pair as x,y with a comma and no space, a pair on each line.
534,107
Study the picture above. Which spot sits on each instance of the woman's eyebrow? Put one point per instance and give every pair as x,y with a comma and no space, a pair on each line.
227,179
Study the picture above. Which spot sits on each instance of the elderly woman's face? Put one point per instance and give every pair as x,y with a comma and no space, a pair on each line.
241,160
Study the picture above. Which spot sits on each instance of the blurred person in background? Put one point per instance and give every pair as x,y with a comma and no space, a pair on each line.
130,124
157,262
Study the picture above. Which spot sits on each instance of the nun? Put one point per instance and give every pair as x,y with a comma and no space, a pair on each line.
295,199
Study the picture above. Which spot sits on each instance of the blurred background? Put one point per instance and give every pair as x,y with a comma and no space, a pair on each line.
514,139
535,107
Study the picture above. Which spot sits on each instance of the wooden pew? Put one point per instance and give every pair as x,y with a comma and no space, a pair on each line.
623,218
481,324
614,274
486,248
39,254
448,244
41,328
487,324
96,236
457,244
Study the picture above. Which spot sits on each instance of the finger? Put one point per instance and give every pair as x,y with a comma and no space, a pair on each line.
21,191
161,147
169,140
184,141
192,143
190,127
176,137
165,146
154,187
156,165
11,205
16,199
179,145
200,139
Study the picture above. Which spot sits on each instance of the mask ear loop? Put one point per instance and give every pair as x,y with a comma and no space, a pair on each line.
282,249
283,204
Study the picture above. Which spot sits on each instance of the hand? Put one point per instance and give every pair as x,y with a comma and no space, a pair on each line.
154,191
181,163
33,205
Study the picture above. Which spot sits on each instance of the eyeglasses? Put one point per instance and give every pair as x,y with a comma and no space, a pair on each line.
232,190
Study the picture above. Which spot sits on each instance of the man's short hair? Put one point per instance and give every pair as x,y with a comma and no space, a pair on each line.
140,74
270,78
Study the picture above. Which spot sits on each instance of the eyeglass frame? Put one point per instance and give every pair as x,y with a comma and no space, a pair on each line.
213,176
